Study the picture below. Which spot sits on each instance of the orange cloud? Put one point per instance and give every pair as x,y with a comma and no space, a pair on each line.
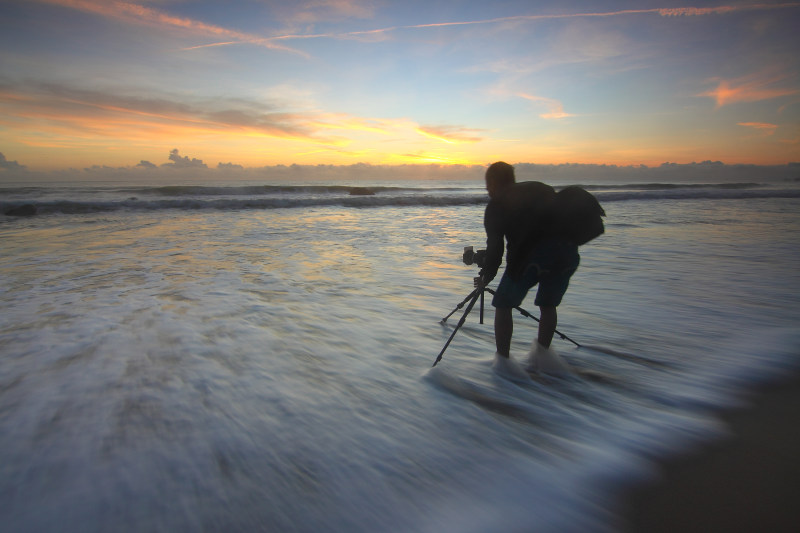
326,10
340,121
449,134
433,158
88,119
556,108
135,13
697,11
766,129
65,108
748,89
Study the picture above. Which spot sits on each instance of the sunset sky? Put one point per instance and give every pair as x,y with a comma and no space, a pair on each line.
268,82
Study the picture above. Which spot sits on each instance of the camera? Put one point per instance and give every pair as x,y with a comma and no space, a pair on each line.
471,257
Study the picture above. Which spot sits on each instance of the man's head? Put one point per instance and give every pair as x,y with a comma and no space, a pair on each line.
499,176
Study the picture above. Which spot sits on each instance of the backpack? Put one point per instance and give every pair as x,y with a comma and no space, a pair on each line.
577,215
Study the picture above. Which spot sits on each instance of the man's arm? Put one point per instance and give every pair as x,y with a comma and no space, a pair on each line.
495,240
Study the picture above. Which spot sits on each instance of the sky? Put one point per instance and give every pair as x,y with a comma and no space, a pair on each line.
254,83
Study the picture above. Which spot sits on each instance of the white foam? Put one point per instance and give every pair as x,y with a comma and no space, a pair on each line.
509,369
547,361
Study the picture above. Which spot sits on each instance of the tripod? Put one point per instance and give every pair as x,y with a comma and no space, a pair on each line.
478,293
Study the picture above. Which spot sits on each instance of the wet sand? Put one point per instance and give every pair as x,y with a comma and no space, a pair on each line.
750,482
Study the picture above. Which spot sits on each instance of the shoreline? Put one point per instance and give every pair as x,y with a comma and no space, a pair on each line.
748,482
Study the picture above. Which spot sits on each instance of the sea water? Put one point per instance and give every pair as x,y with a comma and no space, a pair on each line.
251,357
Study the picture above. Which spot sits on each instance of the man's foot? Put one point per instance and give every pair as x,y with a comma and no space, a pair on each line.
509,369
543,360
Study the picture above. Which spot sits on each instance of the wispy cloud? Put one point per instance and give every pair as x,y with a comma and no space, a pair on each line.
211,45
137,13
341,121
310,12
450,134
555,108
80,109
751,88
699,11
448,158
66,114
664,12
765,129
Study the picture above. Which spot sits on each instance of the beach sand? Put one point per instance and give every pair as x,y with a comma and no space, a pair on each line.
749,482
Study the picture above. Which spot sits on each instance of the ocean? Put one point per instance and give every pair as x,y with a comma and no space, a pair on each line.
257,357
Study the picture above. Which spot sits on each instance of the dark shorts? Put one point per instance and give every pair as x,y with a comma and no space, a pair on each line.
551,265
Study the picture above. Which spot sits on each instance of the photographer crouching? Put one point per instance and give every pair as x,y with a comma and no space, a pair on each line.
523,215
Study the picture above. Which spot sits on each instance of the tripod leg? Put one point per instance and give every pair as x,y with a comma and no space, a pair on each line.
482,295
459,306
475,294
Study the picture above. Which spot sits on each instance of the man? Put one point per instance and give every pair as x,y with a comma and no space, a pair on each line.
522,215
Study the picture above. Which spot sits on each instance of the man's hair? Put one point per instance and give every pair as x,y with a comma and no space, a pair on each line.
500,174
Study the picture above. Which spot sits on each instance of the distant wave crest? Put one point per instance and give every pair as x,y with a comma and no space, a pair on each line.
194,197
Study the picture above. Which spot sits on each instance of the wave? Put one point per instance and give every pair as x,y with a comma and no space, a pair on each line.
78,207
265,197
256,190
696,193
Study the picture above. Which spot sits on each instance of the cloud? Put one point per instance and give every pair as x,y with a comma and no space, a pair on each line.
664,12
229,166
450,134
555,108
70,117
751,88
424,157
5,164
720,10
698,11
183,162
765,129
421,165
114,113
67,111
139,14
308,13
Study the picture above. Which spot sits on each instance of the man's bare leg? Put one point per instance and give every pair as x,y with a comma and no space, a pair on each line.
503,329
548,319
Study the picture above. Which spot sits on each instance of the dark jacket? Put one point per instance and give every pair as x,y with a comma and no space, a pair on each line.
521,215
